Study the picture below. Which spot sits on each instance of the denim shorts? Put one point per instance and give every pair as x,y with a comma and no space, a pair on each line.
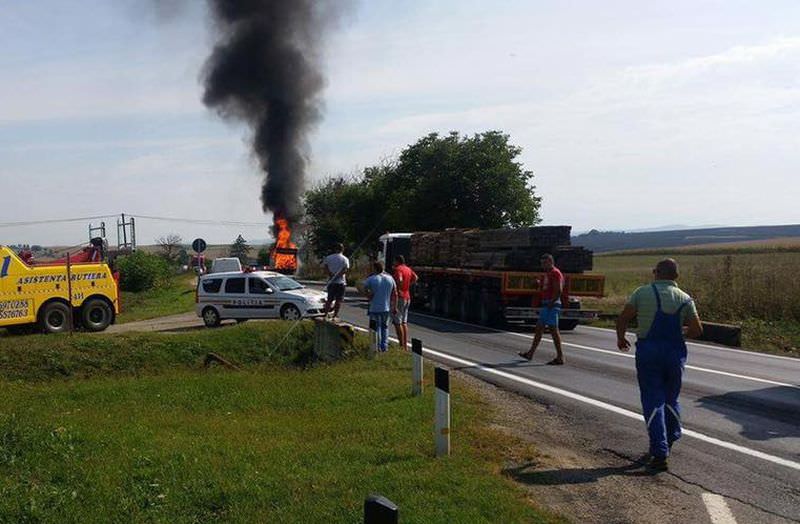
548,315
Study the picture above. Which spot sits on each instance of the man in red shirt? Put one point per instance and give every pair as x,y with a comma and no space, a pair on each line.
552,286
404,276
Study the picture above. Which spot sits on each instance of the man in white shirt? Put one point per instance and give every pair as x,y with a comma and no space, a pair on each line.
337,265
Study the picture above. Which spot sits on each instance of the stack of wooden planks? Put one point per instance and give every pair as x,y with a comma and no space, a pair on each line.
518,249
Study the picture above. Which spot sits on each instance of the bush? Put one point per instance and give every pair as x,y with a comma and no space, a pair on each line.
141,271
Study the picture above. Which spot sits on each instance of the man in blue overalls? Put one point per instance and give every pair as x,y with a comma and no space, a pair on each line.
662,310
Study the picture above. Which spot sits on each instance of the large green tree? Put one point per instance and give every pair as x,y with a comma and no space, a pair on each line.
455,181
438,182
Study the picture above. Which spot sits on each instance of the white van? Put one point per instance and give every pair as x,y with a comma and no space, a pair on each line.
227,264
260,294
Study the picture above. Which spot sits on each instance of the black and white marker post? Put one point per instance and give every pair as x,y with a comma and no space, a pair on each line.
416,367
380,510
442,382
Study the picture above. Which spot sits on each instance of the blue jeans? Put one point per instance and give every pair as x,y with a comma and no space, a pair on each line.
379,323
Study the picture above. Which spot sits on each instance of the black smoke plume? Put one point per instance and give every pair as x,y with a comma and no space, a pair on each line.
265,70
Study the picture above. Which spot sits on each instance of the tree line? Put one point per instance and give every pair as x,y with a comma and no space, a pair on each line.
440,181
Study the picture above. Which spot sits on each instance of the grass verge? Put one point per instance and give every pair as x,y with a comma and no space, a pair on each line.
267,444
175,297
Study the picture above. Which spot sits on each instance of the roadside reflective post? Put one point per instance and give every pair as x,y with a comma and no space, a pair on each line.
442,382
416,367
380,510
373,337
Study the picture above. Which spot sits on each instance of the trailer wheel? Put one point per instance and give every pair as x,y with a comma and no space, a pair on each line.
452,305
96,315
468,299
567,325
54,318
437,299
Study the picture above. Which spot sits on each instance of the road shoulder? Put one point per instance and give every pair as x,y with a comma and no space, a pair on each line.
571,476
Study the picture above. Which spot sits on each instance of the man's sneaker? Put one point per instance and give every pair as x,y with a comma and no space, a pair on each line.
657,464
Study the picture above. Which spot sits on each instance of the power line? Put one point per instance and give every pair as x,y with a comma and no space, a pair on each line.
54,221
201,221
207,222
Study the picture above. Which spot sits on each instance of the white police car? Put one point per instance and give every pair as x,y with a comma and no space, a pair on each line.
258,294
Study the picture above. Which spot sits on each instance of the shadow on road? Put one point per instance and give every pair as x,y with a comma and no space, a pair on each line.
779,405
504,365
527,474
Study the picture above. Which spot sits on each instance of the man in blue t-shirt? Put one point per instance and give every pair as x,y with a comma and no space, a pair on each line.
382,293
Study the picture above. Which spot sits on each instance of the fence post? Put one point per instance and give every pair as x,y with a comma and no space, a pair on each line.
416,367
442,382
380,510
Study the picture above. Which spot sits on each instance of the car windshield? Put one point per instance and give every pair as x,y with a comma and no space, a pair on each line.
284,283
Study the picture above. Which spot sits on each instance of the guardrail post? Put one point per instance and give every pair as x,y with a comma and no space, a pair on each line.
380,510
416,367
442,382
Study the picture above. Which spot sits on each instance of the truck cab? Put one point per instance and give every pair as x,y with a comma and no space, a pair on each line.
47,297
392,244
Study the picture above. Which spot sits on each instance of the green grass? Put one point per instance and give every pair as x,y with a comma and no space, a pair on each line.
162,440
83,355
175,297
758,290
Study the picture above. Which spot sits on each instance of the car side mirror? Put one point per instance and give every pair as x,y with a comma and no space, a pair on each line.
270,291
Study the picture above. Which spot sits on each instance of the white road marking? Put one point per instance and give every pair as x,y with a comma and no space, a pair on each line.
625,355
604,405
709,346
718,509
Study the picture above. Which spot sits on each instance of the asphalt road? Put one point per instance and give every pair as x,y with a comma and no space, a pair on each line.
741,410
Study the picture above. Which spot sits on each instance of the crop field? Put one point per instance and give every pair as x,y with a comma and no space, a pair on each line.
755,286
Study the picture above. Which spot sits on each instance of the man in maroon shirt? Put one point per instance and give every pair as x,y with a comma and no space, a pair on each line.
552,286
404,276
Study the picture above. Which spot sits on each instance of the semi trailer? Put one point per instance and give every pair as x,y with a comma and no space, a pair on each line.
492,277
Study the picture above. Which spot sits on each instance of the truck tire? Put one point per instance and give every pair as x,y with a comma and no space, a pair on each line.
452,301
437,299
54,317
464,304
488,309
567,324
211,317
96,315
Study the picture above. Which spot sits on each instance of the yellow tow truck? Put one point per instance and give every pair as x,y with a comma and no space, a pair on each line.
45,297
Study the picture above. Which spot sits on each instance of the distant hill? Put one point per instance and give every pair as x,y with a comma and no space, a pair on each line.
601,241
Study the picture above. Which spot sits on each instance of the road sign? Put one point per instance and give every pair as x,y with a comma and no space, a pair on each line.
199,245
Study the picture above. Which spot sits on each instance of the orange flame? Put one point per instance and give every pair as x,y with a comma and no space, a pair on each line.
284,261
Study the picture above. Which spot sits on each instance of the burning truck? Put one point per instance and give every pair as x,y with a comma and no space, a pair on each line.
283,254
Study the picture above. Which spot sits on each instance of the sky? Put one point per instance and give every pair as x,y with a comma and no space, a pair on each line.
631,114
